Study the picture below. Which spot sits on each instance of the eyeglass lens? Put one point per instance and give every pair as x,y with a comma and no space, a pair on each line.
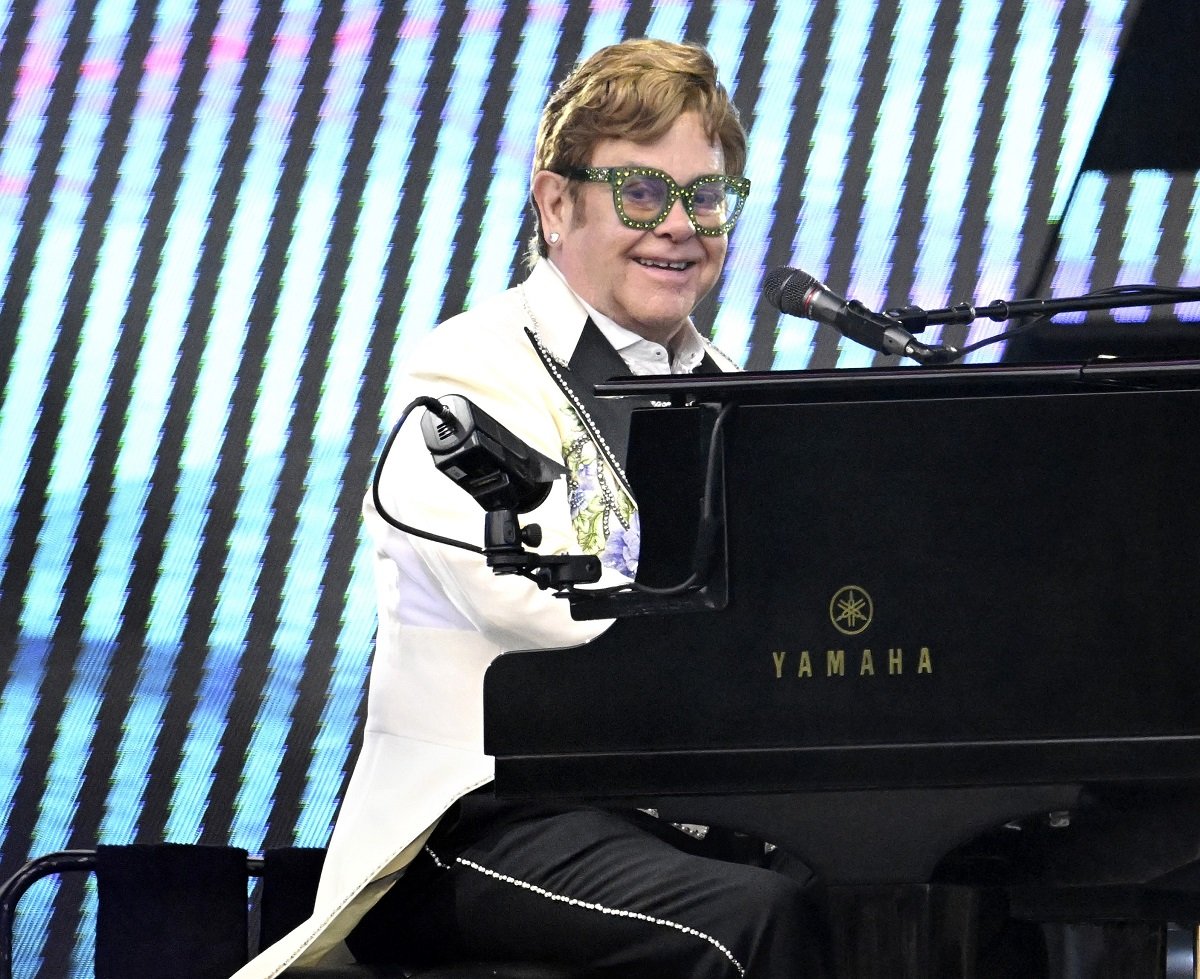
645,197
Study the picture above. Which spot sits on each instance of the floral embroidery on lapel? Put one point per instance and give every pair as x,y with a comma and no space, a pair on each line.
602,513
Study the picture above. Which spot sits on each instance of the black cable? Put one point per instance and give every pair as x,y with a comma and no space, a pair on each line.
1155,295
708,526
431,404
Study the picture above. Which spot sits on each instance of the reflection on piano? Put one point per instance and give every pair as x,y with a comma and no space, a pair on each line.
952,638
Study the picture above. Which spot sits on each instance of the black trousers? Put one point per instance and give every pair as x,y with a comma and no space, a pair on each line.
619,892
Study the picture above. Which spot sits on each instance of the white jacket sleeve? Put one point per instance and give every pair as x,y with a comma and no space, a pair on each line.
509,610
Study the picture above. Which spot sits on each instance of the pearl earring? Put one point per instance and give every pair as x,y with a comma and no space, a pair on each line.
554,237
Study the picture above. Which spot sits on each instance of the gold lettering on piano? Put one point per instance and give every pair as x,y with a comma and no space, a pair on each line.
803,668
835,663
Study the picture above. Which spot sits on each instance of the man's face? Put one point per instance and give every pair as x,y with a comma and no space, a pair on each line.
647,281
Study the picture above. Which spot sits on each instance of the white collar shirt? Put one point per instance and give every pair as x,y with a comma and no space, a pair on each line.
644,356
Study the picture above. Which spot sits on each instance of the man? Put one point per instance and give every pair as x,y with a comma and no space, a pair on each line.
636,186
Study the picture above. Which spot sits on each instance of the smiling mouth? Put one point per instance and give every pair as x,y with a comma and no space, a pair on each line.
669,266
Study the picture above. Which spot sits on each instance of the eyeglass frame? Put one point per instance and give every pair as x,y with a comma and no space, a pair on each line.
616,176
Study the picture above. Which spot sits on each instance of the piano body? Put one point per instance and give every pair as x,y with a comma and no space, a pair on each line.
951,615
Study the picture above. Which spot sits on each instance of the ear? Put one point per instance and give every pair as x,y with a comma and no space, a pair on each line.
549,192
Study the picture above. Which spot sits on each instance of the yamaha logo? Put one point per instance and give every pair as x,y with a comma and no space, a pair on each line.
850,610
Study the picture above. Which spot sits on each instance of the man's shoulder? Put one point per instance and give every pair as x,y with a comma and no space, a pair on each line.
486,325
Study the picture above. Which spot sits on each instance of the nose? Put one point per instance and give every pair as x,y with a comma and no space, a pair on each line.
676,225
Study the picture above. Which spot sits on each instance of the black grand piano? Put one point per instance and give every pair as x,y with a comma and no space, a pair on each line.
945,639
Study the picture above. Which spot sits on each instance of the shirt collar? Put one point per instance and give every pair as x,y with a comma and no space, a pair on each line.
644,356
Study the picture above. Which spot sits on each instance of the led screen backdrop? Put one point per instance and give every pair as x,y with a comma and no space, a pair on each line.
220,225
1133,215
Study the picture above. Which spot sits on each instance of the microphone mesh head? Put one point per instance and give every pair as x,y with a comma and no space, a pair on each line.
785,288
773,284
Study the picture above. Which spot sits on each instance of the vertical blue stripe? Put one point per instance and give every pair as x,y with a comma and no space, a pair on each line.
5,18
605,26
887,170
767,151
1141,237
726,40
668,19
434,246
347,680
147,407
830,140
508,192
1015,157
114,275
953,155
1090,83
1190,275
238,589
292,328
338,414
169,312
1077,242
77,439
26,377
170,308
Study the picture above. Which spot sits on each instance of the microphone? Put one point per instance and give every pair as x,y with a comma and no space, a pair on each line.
797,293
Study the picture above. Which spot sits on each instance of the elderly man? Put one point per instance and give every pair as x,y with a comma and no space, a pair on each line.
636,186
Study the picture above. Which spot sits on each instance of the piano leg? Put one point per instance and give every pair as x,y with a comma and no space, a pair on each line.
1112,950
951,931
930,931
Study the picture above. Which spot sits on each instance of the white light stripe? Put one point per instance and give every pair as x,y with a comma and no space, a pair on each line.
210,408
339,413
1190,275
25,380
111,285
887,170
1016,153
292,330
1077,245
508,191
1090,83
767,144
249,230
433,248
952,158
668,18
75,445
830,142
1141,235
604,26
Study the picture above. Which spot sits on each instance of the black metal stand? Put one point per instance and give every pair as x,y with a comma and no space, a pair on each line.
503,537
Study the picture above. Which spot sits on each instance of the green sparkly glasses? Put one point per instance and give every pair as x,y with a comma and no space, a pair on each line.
644,196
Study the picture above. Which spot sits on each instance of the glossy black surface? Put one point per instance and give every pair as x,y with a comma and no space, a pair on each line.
1032,555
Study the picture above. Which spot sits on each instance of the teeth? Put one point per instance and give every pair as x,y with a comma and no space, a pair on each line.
677,266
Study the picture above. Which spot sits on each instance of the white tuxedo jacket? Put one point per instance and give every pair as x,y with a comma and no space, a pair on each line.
443,614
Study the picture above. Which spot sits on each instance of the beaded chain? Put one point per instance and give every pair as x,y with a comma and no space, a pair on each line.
555,366
590,905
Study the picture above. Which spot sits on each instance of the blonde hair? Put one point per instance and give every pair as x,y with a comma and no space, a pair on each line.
634,90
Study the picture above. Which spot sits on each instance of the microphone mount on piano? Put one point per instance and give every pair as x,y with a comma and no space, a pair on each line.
503,537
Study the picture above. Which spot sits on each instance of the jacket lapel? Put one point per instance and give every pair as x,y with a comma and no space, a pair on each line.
593,361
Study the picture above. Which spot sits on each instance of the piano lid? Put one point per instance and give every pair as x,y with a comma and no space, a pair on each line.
868,383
